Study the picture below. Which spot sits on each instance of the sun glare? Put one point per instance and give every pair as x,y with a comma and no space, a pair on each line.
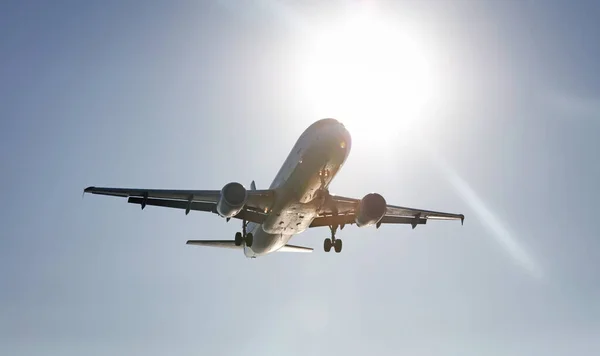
373,74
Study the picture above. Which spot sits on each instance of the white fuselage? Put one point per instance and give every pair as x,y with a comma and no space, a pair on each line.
309,168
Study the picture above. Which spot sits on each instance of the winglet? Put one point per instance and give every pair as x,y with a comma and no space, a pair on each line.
462,219
86,190
253,185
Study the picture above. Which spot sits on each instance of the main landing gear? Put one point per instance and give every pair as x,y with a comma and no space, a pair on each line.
244,236
333,242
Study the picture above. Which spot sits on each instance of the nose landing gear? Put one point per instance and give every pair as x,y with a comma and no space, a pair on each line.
332,242
244,236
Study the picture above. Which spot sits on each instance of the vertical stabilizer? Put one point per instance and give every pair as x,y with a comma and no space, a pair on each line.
253,185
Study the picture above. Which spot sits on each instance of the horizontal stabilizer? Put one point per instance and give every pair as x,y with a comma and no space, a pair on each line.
292,248
215,243
231,244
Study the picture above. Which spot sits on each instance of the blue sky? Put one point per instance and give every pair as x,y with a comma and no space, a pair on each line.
192,95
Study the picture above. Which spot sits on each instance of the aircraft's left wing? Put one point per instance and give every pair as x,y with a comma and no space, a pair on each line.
341,211
200,200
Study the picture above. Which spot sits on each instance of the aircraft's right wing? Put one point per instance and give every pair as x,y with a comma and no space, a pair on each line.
201,200
343,211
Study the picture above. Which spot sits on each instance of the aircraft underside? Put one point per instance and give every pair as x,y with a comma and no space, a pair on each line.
297,199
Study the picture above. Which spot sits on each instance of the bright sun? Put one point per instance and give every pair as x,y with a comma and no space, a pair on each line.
373,74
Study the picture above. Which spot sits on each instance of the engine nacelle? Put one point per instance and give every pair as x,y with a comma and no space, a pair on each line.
232,200
371,210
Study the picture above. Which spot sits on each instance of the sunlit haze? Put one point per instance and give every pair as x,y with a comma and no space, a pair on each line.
489,109
370,70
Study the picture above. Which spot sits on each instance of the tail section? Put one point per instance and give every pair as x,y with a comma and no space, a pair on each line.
253,185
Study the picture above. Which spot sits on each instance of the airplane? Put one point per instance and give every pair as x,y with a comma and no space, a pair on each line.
298,199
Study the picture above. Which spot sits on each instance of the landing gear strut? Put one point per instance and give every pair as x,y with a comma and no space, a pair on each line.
244,236
332,242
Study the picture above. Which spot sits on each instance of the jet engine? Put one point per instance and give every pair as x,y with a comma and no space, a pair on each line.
371,210
232,200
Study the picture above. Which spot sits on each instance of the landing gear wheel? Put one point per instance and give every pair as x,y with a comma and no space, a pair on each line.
327,245
338,246
249,239
238,239
333,242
